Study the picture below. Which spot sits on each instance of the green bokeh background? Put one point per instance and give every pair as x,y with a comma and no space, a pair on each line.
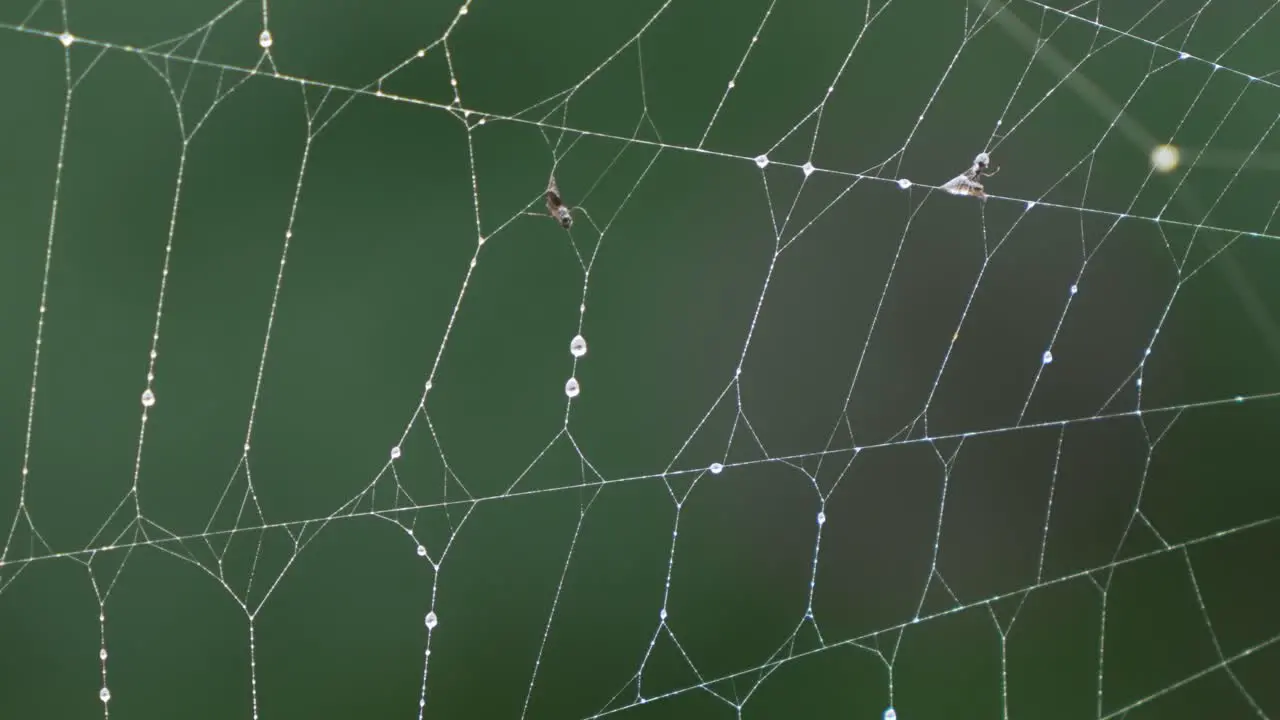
682,233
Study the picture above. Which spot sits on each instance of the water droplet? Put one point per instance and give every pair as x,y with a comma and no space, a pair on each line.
716,468
432,620
104,694
66,39
663,615
148,398
1047,358
571,388
1075,289
890,714
1183,56
395,453
264,39
822,518
578,346
808,169
102,654
904,183
422,552
762,160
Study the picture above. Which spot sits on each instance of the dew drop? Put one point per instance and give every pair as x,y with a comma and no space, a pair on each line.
104,694
1075,289
264,39
822,518
395,453
904,183
102,654
148,398
890,714
66,39
1047,358
578,346
663,615
808,169
762,160
432,620
571,388
716,468
422,552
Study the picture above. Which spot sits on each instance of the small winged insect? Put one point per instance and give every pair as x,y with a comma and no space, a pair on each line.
556,206
969,182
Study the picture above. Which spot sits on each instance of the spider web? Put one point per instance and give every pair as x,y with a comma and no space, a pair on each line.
310,409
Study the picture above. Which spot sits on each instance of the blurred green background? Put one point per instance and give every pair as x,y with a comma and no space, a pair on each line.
1067,546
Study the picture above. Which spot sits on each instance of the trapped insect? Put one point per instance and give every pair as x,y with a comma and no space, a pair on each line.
969,182
556,206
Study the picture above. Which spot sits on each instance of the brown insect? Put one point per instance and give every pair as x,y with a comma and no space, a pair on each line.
556,206
969,182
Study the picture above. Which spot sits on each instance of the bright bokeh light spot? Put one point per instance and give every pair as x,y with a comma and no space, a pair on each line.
1164,158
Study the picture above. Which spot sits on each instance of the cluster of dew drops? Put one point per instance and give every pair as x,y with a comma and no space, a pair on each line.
577,348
